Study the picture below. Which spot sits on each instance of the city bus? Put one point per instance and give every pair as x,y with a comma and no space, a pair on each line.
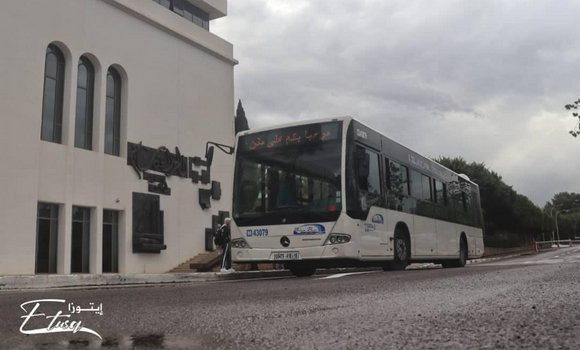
336,193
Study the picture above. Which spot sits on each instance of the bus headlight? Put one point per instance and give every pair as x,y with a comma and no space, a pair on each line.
239,243
337,238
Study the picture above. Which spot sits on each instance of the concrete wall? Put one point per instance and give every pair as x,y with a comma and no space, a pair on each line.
178,91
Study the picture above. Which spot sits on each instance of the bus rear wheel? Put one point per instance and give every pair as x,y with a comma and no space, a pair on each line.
302,271
401,256
462,256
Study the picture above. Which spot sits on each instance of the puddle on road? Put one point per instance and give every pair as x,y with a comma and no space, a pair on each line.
156,341
76,344
135,341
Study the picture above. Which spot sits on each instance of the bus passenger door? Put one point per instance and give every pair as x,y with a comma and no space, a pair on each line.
374,234
424,243
373,237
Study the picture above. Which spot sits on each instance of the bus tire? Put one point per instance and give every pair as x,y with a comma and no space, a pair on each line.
401,253
462,256
302,271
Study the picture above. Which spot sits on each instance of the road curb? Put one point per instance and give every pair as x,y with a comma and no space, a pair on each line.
35,282
30,282
39,282
500,257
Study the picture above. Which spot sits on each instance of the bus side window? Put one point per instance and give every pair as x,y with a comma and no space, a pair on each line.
455,192
369,178
398,185
439,192
468,203
387,176
405,179
398,178
416,184
426,184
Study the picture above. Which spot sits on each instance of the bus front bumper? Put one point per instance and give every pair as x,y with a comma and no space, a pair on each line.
254,255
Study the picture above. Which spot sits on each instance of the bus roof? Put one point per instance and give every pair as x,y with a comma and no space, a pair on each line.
349,120
297,123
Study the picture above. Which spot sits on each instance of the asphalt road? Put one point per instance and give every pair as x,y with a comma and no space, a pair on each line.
529,302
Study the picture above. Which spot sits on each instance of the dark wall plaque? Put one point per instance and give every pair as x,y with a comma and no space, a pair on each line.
148,225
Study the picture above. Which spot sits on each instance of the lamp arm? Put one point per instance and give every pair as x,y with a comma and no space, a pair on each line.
224,148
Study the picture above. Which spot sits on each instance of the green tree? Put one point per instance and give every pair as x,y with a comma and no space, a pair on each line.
574,106
565,201
565,208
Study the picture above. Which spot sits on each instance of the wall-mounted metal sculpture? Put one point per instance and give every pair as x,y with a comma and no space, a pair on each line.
205,176
160,160
204,198
154,165
216,190
157,183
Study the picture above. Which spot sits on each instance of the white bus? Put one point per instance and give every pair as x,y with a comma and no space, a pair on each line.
335,193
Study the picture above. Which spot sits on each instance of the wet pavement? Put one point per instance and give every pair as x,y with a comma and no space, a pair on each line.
528,302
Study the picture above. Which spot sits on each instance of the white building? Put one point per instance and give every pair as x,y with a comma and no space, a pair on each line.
83,83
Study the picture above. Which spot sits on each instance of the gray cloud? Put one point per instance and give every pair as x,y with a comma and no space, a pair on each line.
485,80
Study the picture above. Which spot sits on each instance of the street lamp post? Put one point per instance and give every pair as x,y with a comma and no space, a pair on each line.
556,223
557,230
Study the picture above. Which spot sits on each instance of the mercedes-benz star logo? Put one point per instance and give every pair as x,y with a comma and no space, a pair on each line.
285,241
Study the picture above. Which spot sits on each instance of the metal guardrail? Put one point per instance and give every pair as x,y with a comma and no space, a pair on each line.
544,245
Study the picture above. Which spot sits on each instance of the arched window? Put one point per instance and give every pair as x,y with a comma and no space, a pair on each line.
84,108
113,113
51,128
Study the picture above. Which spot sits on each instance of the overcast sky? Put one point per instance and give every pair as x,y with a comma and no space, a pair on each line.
483,80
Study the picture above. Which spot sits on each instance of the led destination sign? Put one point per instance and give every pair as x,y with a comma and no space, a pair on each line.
298,135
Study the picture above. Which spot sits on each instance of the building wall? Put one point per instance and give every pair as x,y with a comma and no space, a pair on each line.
177,91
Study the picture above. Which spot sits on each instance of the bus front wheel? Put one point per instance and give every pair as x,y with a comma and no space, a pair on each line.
401,256
302,271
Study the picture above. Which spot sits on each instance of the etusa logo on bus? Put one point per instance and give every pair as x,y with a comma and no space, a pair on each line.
378,219
257,232
310,229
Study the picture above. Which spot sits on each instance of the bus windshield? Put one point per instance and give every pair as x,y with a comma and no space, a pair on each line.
288,176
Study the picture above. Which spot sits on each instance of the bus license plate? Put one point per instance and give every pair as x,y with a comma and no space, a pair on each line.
286,256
